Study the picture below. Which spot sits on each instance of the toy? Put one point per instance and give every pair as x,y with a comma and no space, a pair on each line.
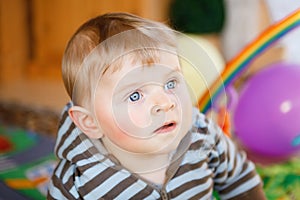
26,163
266,117
201,63
236,66
5,144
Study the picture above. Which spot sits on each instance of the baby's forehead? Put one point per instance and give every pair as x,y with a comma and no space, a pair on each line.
154,72
138,71
142,58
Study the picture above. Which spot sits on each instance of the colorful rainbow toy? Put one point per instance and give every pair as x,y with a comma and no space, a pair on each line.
237,65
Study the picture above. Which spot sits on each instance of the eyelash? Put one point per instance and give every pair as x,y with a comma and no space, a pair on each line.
132,97
173,81
135,93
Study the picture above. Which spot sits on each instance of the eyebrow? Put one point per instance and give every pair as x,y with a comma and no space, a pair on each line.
139,83
125,90
128,86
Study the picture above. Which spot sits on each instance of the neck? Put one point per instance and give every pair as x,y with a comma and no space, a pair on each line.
149,166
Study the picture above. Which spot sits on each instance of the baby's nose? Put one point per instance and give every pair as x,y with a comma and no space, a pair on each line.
163,103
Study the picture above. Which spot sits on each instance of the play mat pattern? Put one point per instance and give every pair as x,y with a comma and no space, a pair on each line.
27,159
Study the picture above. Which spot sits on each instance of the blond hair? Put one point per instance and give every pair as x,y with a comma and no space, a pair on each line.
104,39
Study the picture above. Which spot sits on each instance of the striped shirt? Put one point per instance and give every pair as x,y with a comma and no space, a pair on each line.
204,161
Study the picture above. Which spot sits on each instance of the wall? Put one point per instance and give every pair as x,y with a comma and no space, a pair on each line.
33,35
34,32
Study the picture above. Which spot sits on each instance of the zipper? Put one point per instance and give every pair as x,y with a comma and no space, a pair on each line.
164,194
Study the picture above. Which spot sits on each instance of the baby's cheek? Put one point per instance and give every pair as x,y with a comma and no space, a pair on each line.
139,117
121,136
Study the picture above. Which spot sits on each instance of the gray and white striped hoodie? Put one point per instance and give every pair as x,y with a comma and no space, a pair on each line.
205,160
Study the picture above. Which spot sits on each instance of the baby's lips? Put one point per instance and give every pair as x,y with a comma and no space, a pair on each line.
168,126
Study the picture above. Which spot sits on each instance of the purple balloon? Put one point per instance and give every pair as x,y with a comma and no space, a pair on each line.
266,118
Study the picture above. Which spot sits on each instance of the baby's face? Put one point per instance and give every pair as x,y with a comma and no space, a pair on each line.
144,109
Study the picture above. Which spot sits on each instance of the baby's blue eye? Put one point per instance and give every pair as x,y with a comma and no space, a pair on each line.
170,85
135,96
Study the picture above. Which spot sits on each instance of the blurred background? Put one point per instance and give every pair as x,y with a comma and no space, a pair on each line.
34,33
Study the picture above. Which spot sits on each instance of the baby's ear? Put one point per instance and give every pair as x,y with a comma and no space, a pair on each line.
85,121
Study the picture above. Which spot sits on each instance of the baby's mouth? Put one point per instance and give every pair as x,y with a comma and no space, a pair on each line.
167,127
